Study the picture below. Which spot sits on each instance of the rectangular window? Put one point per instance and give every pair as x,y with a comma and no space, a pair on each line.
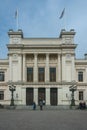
52,74
29,74
80,76
41,74
80,95
1,95
2,76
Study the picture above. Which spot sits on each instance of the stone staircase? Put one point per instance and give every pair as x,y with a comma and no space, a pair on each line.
44,107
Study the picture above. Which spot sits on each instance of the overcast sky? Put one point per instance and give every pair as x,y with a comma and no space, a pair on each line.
40,18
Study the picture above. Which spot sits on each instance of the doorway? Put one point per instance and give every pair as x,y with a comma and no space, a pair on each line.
53,96
41,94
29,96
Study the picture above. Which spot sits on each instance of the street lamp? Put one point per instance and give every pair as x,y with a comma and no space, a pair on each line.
12,88
73,88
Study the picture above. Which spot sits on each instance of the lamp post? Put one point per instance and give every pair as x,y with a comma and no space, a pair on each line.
73,88
12,88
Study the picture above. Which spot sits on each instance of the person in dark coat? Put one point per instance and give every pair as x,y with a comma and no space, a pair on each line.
34,106
41,104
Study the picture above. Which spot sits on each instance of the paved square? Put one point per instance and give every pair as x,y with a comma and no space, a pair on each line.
43,120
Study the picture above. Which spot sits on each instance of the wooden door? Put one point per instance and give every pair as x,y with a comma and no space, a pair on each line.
29,96
53,96
41,94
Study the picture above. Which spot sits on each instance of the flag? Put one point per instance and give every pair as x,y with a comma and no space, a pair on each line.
16,17
62,14
16,13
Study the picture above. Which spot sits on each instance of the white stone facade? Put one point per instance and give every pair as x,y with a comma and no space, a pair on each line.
58,53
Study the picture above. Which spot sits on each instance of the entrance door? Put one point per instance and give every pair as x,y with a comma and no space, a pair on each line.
29,96
53,96
41,94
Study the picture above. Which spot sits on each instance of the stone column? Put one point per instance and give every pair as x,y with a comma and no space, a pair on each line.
59,68
85,79
47,69
10,68
36,95
63,67
73,69
20,67
60,96
24,67
35,68
47,96
23,96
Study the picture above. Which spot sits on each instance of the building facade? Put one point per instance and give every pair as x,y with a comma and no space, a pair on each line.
43,68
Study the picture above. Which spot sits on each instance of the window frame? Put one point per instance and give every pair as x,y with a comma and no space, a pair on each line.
52,75
81,95
41,75
80,76
30,75
1,95
2,73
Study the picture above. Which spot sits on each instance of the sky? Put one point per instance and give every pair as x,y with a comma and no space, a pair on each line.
40,18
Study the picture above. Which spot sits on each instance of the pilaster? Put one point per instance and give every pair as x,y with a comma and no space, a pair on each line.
73,69
36,95
63,67
59,69
47,96
24,67
47,69
35,68
10,67
20,67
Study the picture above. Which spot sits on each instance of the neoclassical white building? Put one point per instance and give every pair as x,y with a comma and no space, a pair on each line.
42,68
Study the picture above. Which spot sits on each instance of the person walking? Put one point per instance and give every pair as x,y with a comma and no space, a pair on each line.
41,104
34,106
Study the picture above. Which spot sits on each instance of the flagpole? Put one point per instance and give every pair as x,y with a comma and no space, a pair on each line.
17,20
65,21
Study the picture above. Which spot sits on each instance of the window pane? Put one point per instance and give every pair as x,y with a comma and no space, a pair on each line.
41,74
30,74
80,76
81,95
1,95
1,76
53,74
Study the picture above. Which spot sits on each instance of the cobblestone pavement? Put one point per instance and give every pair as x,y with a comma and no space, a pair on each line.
43,120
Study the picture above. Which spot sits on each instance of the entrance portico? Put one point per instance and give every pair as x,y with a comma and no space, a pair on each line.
49,95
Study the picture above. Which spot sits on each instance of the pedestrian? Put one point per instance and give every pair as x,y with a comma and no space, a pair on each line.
41,104
34,106
84,105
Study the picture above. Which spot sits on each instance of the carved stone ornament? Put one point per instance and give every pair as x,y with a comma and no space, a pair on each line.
15,40
68,56
15,56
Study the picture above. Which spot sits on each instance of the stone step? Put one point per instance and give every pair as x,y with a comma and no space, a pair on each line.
44,107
